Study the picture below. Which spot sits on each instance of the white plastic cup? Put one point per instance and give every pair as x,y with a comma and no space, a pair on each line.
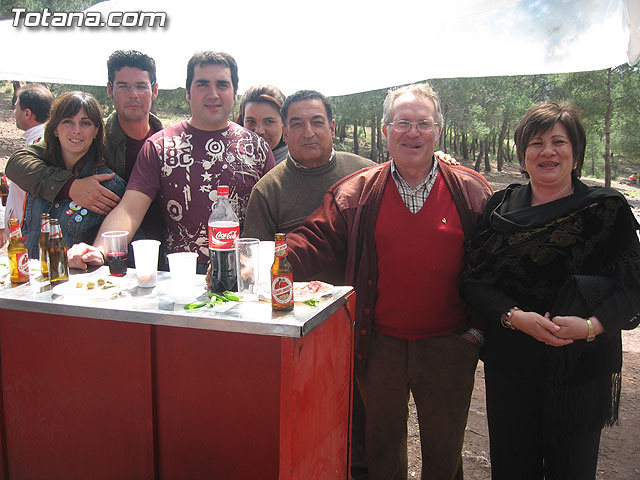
182,266
145,253
248,267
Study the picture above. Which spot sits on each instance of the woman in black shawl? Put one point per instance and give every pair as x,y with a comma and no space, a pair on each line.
554,268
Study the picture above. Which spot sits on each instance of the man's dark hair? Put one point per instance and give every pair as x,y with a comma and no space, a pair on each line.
305,95
212,58
131,58
38,99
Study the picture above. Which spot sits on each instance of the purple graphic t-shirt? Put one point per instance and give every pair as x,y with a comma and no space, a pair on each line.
183,166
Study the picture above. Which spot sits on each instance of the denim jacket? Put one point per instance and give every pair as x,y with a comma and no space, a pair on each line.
78,224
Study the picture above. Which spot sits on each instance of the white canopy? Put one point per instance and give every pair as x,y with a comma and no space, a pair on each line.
337,46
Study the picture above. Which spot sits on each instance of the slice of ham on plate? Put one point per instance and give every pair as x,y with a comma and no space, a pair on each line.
303,291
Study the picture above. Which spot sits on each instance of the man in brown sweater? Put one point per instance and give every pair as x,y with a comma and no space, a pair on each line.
286,195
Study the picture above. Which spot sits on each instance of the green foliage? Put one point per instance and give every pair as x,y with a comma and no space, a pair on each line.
478,110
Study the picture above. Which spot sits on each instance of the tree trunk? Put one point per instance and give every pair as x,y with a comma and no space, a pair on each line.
476,167
487,165
16,86
343,132
465,147
379,130
443,137
374,146
503,133
355,137
607,133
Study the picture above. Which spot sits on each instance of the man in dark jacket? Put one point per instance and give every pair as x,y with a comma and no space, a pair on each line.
401,226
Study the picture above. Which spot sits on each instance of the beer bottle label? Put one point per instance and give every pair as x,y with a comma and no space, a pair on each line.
15,232
282,288
281,249
22,261
222,235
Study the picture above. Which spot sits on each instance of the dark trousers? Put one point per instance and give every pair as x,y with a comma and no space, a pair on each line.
439,371
524,445
359,469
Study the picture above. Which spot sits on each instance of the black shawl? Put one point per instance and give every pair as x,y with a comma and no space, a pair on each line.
525,256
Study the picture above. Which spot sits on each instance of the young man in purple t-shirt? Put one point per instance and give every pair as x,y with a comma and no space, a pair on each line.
183,164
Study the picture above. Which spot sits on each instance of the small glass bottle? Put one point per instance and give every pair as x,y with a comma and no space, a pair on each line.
58,264
43,244
17,252
281,277
4,188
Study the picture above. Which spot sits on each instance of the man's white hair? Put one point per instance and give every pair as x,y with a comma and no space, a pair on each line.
420,90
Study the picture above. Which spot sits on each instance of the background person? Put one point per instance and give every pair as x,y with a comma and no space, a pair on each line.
260,112
554,267
31,111
73,141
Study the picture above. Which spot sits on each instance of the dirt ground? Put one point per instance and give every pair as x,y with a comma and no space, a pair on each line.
619,459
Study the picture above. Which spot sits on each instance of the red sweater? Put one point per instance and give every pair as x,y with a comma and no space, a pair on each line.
420,260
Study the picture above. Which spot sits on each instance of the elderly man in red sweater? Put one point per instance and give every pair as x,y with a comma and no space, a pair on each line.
401,227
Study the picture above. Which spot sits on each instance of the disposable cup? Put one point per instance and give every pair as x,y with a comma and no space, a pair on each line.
182,266
115,245
248,267
145,253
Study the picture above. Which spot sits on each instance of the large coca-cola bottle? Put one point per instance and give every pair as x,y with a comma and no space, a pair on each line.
224,228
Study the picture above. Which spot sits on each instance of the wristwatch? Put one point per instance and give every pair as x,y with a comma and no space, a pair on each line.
505,320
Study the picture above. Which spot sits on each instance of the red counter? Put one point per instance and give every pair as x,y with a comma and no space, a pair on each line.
121,399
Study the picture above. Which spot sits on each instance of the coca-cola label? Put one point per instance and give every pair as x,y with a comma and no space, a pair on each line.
282,289
22,261
223,235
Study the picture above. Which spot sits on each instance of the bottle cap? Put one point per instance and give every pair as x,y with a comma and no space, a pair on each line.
223,189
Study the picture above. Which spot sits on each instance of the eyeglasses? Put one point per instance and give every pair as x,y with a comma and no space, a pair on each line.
139,87
423,126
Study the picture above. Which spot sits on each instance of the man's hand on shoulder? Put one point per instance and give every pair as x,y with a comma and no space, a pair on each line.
445,157
90,193
80,255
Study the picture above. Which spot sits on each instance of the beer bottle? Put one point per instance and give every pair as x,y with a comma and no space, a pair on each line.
4,188
43,244
281,277
17,251
58,264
